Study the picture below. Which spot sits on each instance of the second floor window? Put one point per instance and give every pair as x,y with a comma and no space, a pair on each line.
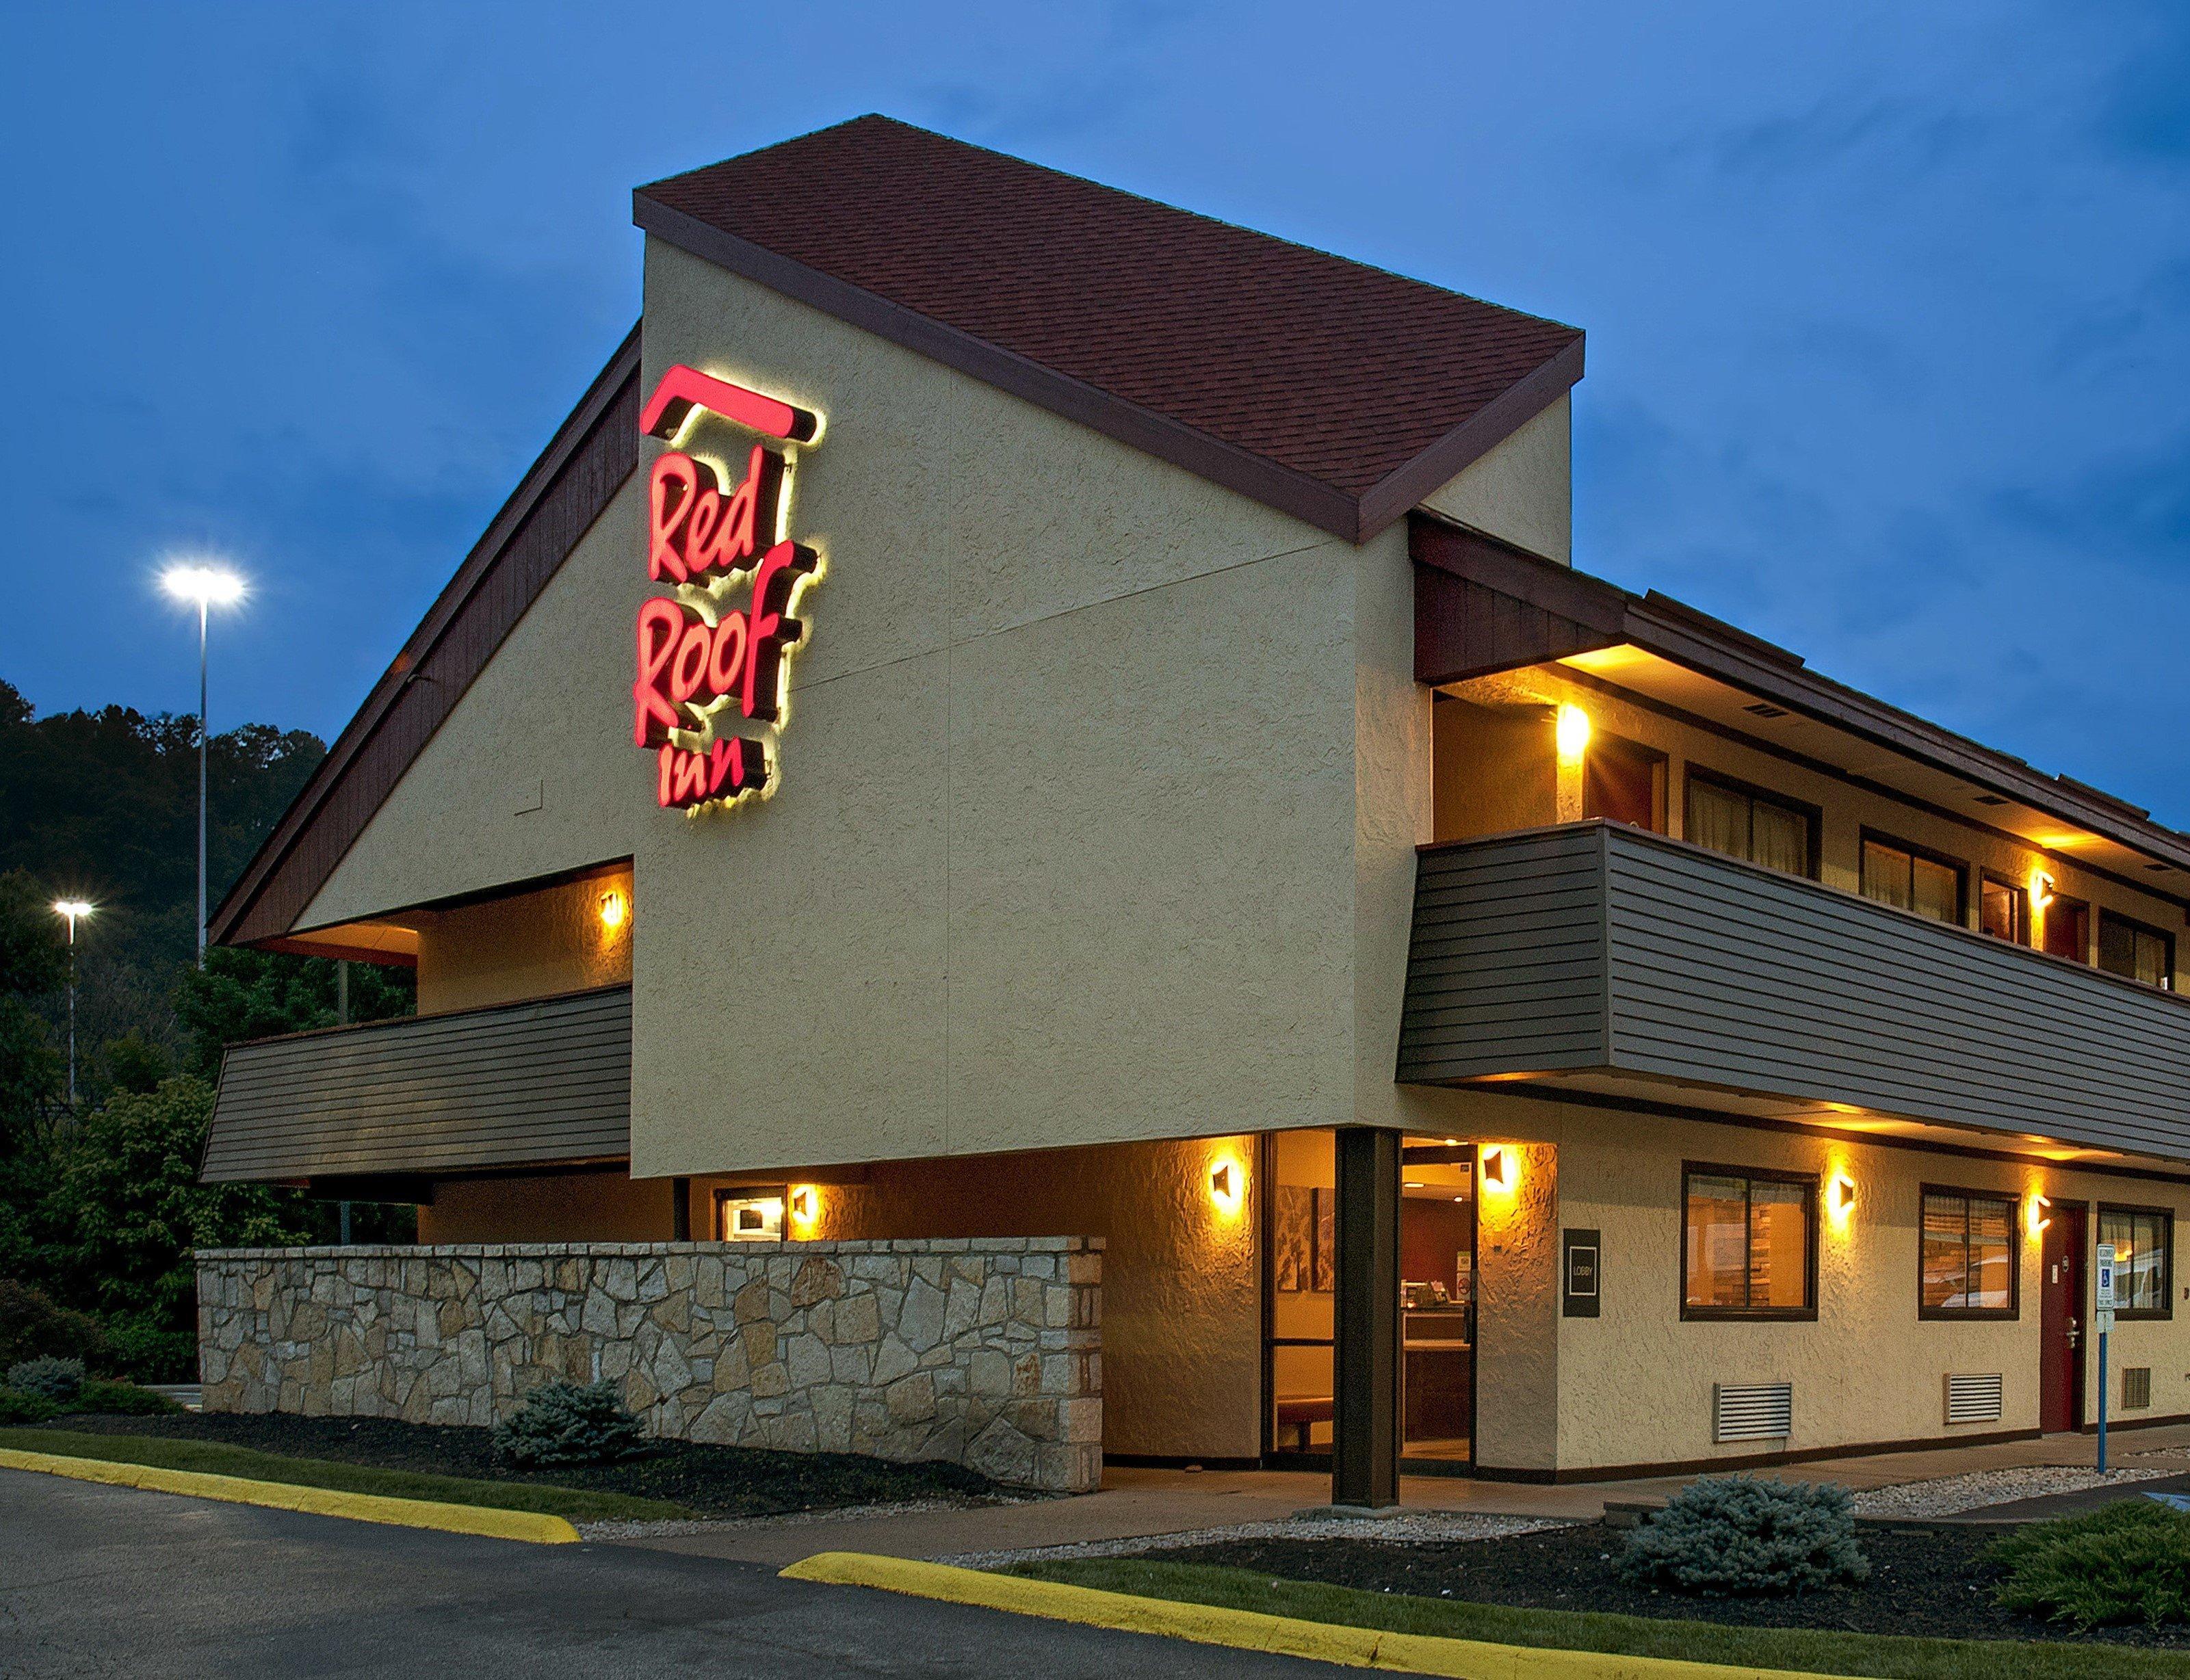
2135,951
1742,823
2004,910
1907,880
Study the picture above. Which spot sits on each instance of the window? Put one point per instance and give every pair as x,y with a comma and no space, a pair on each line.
1967,1268
1743,823
2065,928
2143,1238
1750,1245
2135,951
1622,782
1911,880
2004,910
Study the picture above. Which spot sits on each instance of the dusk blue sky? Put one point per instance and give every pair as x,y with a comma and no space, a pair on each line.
1888,306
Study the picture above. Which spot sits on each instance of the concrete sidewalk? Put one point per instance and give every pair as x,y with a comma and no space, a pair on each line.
1137,1503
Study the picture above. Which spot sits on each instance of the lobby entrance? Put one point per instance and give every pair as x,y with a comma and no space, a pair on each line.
1432,1314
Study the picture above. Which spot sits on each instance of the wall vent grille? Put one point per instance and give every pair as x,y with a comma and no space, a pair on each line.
1752,1411
2136,1388
1973,1397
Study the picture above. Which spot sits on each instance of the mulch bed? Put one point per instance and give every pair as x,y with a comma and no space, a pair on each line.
1931,1585
716,1481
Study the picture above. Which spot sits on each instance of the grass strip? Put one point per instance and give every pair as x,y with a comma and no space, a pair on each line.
576,1505
1810,1650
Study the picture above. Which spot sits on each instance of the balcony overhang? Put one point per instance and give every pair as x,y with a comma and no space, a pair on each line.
1612,965
535,1084
1484,612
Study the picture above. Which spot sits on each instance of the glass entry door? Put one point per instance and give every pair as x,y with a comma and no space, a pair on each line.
1436,1298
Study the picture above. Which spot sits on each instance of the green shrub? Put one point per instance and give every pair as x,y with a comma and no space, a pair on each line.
2126,1562
57,1380
568,1423
125,1399
31,1326
144,1352
1738,1534
18,1407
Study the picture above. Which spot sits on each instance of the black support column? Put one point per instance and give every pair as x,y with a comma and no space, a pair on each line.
680,1210
1364,1452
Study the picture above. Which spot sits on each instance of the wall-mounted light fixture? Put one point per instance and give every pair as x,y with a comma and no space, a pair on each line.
2037,1218
1497,1169
2041,889
1840,1196
615,909
805,1204
1227,1186
1571,730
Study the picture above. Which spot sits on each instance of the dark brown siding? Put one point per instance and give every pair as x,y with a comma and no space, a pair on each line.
558,502
1599,945
517,1085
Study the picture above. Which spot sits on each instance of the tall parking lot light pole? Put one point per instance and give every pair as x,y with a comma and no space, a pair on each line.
74,910
203,586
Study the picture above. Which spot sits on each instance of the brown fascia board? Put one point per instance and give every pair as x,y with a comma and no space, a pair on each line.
1678,632
1355,520
311,800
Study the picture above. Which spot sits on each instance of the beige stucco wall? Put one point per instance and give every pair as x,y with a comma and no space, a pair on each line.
1515,724
529,945
1521,491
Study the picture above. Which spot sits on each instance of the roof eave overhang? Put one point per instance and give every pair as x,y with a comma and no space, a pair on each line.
1604,615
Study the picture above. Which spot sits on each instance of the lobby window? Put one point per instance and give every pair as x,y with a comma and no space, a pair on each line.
2004,910
1968,1260
1749,1248
2135,951
1622,782
2065,928
2144,1241
1911,880
1744,823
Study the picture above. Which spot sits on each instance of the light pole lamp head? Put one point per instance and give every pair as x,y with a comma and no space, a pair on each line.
203,586
72,908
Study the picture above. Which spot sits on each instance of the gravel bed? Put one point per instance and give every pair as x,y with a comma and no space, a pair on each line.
1950,1494
1409,1527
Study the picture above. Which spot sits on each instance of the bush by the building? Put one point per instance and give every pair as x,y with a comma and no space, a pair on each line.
2126,1562
1741,1536
124,1399
569,1423
59,1381
18,1407
31,1326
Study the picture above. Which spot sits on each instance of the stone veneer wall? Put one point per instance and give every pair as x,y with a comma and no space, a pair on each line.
982,1351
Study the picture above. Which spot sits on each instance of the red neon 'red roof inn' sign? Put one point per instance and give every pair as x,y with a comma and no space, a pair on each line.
706,664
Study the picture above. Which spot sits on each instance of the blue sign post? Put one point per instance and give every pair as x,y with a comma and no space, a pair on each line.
2105,1318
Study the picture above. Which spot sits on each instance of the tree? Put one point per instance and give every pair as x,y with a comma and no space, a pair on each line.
33,962
242,995
130,1200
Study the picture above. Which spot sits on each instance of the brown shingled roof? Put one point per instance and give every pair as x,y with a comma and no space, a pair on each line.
1337,392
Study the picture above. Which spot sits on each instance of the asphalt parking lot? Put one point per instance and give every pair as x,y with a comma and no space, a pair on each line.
102,1580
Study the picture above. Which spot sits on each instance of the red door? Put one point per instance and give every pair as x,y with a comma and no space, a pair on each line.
2061,1320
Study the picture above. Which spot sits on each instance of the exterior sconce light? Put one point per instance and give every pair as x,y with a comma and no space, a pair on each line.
1572,732
805,1206
2036,1218
1842,1191
2041,889
1495,1170
1227,1187
615,910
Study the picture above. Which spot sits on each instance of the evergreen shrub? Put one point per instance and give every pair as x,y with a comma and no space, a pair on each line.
2126,1562
1741,1536
59,1381
569,1423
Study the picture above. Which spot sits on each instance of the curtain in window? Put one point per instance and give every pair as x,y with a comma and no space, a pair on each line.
1782,839
1718,819
1885,874
1936,890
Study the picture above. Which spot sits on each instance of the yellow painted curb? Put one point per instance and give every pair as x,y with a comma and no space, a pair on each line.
1253,1631
364,1508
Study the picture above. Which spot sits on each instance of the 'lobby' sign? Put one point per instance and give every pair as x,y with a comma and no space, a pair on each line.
704,663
